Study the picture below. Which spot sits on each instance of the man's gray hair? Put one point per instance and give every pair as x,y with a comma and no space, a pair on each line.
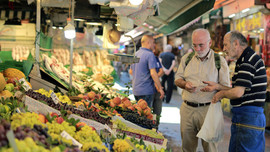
203,30
168,48
235,35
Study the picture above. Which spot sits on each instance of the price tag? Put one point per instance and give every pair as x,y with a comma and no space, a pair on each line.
67,136
11,140
109,129
25,84
55,98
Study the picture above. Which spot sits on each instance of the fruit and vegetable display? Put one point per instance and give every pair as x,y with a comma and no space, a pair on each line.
93,120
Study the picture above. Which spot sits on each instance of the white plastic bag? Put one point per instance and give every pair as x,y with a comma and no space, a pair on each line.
213,127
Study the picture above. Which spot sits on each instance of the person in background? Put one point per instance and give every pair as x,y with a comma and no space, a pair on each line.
247,94
196,67
157,103
167,60
144,73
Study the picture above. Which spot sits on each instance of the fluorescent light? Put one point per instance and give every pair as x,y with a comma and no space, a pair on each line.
78,19
245,10
117,24
151,27
231,16
261,29
60,28
93,23
54,27
135,2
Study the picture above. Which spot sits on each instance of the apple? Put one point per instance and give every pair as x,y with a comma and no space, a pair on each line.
127,103
12,80
147,111
9,87
54,114
59,120
112,104
131,108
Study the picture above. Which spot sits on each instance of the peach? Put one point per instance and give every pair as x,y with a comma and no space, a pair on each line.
117,100
42,118
112,104
147,111
91,94
150,116
131,108
142,104
127,103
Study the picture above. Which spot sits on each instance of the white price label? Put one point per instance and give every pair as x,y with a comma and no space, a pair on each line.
74,141
54,98
25,84
11,140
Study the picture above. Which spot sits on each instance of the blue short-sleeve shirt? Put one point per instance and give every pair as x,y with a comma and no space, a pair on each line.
142,82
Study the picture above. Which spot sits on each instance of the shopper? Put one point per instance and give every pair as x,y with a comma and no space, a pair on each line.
247,95
157,103
144,73
167,60
201,65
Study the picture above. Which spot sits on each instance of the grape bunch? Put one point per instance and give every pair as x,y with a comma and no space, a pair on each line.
4,127
139,120
23,132
29,119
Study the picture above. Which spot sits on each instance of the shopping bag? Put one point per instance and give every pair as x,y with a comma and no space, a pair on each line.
213,126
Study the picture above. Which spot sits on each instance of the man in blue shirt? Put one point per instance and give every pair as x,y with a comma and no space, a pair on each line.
247,95
144,73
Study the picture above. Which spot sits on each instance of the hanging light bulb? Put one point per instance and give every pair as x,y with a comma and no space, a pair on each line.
69,30
135,2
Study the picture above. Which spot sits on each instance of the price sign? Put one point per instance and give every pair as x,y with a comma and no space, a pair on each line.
24,84
11,140
74,141
55,98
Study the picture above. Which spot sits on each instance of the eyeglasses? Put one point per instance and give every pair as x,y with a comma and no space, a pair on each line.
200,45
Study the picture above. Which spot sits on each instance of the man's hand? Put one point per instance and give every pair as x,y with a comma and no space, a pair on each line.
189,87
218,96
166,71
161,93
211,86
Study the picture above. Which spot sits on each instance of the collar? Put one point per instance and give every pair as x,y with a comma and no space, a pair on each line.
145,49
207,57
248,49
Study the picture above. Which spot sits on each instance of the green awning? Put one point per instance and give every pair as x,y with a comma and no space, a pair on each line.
187,16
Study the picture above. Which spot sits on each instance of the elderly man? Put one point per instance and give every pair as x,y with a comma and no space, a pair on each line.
200,65
247,95
167,60
144,73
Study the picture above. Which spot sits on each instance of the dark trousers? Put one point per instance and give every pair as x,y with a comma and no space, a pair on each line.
169,88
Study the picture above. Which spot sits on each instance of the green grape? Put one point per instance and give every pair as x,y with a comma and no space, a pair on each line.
29,119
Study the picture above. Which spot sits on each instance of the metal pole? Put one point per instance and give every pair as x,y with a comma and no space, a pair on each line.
71,45
37,37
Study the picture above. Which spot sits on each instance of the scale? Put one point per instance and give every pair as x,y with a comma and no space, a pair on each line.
124,58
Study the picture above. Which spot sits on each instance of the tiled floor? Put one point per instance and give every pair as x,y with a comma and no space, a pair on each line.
170,122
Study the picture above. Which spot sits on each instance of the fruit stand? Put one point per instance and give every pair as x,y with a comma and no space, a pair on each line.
98,118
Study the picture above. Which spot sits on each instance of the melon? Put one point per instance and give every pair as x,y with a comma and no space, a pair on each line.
5,94
13,73
2,82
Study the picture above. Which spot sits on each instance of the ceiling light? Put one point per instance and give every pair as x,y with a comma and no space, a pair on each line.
60,27
261,29
245,10
93,23
151,27
69,30
117,24
231,16
135,2
54,27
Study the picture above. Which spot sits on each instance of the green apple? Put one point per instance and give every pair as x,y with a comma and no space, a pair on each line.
9,87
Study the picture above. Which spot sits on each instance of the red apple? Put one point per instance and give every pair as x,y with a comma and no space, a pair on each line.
117,100
59,120
12,80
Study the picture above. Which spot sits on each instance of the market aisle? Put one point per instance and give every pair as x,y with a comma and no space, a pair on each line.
170,121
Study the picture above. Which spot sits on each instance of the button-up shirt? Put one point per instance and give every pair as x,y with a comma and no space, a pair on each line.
197,71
